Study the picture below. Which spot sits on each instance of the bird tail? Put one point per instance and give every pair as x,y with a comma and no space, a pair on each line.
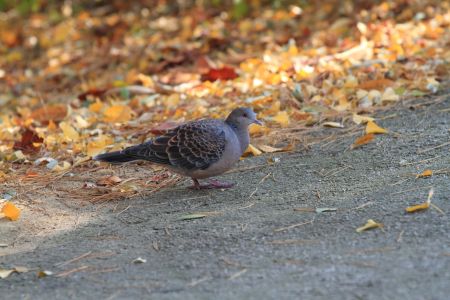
114,157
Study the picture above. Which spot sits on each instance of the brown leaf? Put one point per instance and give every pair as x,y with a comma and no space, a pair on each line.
30,142
109,180
47,113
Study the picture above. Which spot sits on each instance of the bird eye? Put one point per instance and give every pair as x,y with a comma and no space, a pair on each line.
245,115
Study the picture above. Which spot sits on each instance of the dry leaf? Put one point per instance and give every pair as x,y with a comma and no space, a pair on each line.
370,224
426,173
44,273
10,211
139,260
252,150
98,144
109,180
358,119
376,84
333,124
47,113
422,206
269,149
118,114
365,139
5,273
389,95
282,118
226,73
69,132
374,128
30,142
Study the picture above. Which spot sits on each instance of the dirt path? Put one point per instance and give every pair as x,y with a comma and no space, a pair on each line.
252,243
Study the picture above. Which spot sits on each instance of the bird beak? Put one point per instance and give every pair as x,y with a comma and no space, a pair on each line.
256,121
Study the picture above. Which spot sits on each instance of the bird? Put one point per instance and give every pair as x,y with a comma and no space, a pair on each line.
197,149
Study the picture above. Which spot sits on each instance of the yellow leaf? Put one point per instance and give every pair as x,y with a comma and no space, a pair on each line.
118,114
374,128
65,166
147,81
254,129
426,173
282,118
5,273
370,224
252,150
422,206
69,132
10,211
358,119
97,145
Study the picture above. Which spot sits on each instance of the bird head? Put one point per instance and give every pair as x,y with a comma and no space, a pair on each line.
242,117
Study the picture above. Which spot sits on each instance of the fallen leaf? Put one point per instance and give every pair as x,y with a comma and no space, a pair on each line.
358,119
44,273
426,173
118,114
370,224
192,217
252,150
333,124
389,95
47,113
10,211
69,132
139,260
225,73
365,139
109,180
269,149
282,118
422,206
376,84
374,128
30,142
5,273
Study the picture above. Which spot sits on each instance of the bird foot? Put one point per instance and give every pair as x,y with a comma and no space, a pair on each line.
213,184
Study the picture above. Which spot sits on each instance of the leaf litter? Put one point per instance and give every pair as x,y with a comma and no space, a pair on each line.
299,67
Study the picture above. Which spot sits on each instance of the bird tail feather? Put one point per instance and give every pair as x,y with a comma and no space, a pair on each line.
114,157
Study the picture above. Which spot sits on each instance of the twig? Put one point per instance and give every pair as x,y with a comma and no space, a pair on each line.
292,226
66,273
237,274
74,259
432,148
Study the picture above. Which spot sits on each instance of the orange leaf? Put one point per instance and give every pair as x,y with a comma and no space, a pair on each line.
365,139
118,114
10,211
376,84
426,173
374,128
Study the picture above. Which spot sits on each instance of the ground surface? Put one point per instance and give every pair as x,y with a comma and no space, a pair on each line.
250,247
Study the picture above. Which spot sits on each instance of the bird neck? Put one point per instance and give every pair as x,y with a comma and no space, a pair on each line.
242,135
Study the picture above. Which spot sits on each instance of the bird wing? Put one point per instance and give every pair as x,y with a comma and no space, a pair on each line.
194,145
